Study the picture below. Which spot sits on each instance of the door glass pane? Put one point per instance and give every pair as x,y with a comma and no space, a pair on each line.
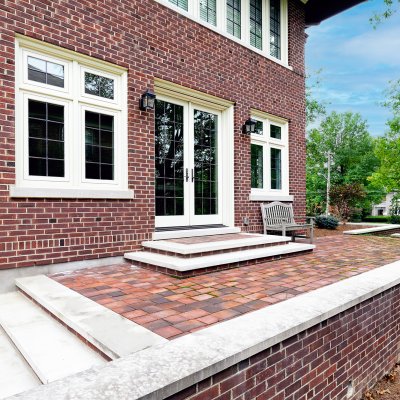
169,159
205,163
276,169
276,132
257,166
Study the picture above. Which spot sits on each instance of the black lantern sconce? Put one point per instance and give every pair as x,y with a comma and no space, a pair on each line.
249,127
147,101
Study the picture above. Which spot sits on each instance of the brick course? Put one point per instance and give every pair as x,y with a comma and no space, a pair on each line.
359,345
151,41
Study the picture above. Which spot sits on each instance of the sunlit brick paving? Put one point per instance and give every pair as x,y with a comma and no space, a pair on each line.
173,307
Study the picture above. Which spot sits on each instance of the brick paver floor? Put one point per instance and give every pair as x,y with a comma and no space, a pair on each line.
173,307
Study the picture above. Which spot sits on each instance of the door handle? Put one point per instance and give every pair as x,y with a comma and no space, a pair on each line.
187,175
192,175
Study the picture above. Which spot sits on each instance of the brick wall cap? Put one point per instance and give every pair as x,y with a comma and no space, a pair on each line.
166,369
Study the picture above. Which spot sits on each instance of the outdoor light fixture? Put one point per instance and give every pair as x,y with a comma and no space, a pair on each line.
147,100
249,127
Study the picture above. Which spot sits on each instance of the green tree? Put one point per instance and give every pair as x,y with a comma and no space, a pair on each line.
346,137
387,148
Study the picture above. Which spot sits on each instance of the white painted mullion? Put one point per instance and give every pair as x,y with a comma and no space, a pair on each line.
221,15
194,8
188,143
284,31
245,21
265,26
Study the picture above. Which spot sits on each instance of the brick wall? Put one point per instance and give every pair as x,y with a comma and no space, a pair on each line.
151,41
359,345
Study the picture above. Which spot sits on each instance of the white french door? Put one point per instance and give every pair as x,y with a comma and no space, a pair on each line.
188,184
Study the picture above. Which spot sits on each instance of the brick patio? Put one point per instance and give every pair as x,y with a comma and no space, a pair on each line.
173,307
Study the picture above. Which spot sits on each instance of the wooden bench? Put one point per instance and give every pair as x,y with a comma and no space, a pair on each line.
279,216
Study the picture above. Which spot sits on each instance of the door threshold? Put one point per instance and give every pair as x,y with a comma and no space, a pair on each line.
199,230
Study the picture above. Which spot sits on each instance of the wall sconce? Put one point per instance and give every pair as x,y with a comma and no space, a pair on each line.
147,101
249,127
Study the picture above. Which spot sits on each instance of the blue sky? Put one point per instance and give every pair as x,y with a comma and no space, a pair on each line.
357,62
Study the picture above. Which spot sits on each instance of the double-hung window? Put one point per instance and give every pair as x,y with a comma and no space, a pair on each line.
269,158
261,25
71,128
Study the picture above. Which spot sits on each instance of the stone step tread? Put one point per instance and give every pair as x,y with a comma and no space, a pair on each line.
50,349
182,264
16,376
108,331
243,240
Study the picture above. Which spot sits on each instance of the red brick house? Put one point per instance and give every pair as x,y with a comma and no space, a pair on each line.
87,172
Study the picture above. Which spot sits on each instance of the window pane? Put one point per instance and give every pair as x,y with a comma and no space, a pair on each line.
180,3
99,155
233,17
45,72
99,86
276,132
276,169
259,128
257,166
46,139
208,11
256,23
275,28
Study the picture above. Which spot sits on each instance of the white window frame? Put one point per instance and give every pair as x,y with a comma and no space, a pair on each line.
75,100
194,14
267,142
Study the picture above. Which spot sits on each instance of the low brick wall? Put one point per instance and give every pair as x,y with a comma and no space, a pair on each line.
355,347
328,344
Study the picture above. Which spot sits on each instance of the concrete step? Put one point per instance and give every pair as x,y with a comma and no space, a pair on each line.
209,244
108,331
184,264
51,350
16,376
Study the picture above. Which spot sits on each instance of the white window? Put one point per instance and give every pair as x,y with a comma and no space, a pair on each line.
71,124
261,25
269,159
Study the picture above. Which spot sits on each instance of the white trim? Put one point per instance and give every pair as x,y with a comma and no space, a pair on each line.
245,33
32,192
269,197
267,143
225,110
74,100
194,233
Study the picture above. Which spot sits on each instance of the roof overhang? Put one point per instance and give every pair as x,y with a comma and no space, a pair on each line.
319,10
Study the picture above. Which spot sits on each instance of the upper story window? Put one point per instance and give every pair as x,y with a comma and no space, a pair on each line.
71,125
269,156
180,3
261,25
208,11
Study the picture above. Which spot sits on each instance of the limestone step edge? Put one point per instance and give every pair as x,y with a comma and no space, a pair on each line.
246,240
111,333
182,264
50,349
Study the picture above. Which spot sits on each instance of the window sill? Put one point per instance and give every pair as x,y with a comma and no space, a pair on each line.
16,191
270,197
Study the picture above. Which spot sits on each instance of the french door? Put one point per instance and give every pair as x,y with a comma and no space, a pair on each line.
187,167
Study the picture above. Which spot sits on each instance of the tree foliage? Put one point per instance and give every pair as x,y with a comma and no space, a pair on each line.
387,148
346,197
390,8
346,137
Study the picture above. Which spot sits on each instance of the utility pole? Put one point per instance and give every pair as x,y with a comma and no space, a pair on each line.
328,182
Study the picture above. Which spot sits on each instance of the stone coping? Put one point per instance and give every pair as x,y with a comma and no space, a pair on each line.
380,228
166,369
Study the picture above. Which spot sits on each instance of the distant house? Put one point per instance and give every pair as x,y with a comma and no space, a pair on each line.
384,207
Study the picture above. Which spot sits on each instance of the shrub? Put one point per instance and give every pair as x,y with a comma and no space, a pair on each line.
345,197
395,209
377,218
326,222
395,219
